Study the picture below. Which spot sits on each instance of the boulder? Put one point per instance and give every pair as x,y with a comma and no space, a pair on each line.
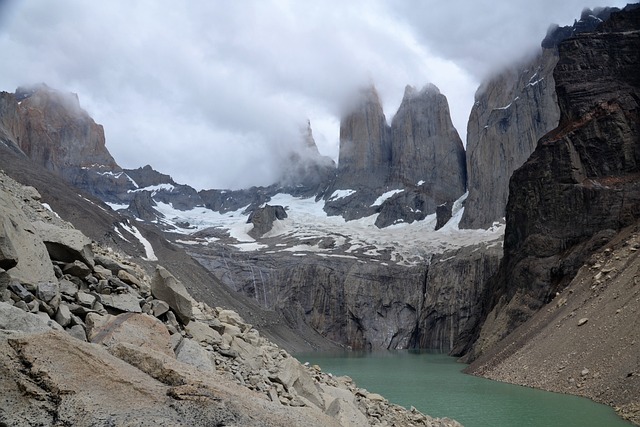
123,302
191,353
46,291
137,329
63,244
8,254
167,288
24,248
263,219
77,268
63,315
202,333
14,319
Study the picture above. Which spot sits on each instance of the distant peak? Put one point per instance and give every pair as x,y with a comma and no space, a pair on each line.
429,89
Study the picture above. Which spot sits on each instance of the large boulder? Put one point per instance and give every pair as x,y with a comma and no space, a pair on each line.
167,288
65,244
263,219
22,245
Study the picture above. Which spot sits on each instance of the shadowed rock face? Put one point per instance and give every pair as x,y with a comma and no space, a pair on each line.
581,183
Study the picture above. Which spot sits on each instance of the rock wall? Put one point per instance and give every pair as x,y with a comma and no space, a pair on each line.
512,111
581,183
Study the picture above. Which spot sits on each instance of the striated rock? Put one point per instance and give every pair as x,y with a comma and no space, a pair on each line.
167,288
425,145
263,219
580,185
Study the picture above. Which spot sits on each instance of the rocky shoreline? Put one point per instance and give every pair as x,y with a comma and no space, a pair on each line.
92,338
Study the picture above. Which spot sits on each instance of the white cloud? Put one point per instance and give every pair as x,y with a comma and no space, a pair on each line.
213,92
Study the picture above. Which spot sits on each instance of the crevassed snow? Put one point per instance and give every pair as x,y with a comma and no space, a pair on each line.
148,249
380,200
340,194
307,224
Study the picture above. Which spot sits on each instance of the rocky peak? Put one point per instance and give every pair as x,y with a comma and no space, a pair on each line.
425,145
365,148
588,22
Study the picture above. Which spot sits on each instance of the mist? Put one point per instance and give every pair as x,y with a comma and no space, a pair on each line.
215,93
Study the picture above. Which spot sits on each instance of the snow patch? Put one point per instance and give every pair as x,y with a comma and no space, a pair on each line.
153,188
116,206
148,248
47,207
340,194
380,200
508,105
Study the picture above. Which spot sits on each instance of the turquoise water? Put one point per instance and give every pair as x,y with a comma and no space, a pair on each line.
435,385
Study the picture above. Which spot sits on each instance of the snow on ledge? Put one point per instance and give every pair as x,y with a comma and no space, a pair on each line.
341,194
380,200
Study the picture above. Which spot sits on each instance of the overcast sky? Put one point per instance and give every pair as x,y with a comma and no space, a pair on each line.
214,92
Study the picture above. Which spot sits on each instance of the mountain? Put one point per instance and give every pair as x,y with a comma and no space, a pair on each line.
415,165
578,192
512,111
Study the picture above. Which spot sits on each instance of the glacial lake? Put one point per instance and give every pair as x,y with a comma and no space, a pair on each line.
435,385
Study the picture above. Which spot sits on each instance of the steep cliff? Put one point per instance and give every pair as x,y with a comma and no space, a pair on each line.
581,183
512,111
425,145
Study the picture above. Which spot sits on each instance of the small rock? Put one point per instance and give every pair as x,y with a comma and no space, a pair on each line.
85,299
159,307
101,272
584,372
67,287
77,268
47,290
582,321
77,331
20,291
22,306
63,315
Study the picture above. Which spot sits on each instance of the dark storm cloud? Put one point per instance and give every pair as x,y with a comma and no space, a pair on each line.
215,93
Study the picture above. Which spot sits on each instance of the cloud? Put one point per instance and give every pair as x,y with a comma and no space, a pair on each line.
214,93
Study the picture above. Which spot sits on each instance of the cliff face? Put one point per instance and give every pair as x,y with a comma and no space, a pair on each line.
426,147
581,183
511,112
365,146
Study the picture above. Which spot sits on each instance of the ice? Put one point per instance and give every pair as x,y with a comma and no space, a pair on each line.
116,206
380,200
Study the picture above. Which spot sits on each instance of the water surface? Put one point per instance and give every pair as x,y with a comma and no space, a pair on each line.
435,385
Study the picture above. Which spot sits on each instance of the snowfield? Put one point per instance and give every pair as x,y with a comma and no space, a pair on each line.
307,226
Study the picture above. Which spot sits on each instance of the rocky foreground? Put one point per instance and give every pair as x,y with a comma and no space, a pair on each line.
88,337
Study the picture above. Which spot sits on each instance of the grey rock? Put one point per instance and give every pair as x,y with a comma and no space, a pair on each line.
109,264
15,319
191,353
20,291
166,287
77,268
68,288
159,307
85,299
78,332
582,321
63,315
426,147
512,111
122,302
8,254
202,333
22,306
66,245
263,219
47,291
443,215
101,272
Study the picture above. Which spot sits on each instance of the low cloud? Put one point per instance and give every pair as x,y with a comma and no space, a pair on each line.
215,93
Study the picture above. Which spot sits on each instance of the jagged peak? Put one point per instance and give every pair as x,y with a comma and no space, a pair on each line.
428,89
